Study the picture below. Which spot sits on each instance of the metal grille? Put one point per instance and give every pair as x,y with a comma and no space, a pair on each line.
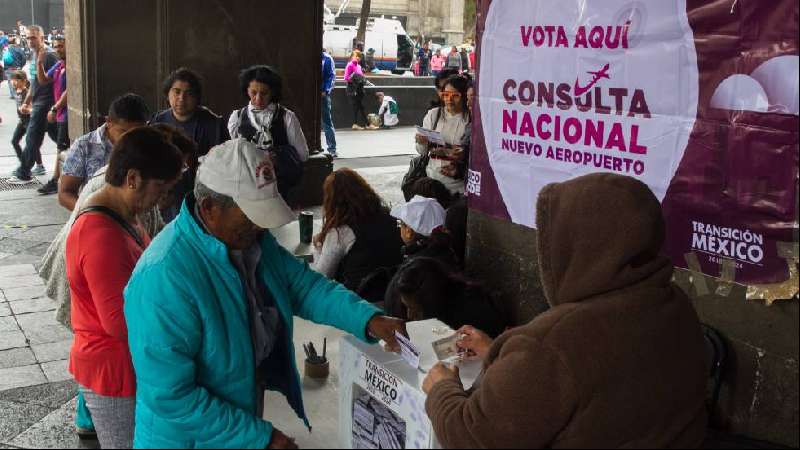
6,186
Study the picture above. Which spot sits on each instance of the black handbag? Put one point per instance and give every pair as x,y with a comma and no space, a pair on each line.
418,169
288,167
355,88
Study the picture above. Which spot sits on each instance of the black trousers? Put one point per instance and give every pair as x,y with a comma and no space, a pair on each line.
16,138
358,110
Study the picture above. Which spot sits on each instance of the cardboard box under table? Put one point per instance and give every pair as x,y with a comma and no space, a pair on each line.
381,403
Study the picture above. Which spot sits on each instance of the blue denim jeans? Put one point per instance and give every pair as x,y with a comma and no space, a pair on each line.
37,128
327,124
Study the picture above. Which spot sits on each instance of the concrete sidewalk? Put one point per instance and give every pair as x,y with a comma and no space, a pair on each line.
375,143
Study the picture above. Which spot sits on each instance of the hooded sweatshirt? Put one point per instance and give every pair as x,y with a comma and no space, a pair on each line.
618,360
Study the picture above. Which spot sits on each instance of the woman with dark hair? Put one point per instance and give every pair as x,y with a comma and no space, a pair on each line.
270,125
430,188
448,163
439,82
359,236
429,289
102,249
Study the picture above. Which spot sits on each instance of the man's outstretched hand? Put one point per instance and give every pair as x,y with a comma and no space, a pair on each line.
383,328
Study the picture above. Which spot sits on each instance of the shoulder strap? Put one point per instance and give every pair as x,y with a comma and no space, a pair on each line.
280,114
239,122
277,128
117,218
438,117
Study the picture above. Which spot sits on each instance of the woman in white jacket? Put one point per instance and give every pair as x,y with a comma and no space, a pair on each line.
448,163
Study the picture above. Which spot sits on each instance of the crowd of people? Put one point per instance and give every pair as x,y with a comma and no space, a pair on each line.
388,113
431,62
182,302
41,96
127,270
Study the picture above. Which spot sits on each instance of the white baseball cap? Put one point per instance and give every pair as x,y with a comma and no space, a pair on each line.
241,171
423,215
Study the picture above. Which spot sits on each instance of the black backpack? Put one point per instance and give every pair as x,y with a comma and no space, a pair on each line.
355,88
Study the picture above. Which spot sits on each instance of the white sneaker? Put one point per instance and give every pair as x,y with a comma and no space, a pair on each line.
39,170
19,182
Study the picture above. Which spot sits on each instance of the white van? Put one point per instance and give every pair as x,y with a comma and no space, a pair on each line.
394,50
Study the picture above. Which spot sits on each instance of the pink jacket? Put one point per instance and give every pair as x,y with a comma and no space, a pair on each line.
353,67
437,62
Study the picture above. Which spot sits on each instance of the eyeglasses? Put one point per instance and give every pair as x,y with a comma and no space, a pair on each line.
451,95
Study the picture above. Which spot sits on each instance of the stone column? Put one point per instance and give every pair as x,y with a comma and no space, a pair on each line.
454,23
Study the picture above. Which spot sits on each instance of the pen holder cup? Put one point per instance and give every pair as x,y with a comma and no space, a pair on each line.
318,371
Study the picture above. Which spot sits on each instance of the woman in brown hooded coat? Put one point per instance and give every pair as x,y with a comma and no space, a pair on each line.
618,361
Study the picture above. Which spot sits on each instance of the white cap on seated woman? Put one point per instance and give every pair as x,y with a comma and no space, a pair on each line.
421,216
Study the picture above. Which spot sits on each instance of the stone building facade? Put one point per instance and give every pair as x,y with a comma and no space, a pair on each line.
439,20
47,13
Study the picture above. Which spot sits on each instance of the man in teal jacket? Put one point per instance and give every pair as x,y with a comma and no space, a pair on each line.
210,307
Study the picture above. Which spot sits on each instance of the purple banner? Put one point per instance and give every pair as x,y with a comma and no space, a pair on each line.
697,99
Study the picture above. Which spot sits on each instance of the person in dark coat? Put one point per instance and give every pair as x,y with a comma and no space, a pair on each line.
617,362
423,232
429,289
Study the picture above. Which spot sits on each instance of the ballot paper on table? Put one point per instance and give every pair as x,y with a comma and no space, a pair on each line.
381,402
408,352
434,137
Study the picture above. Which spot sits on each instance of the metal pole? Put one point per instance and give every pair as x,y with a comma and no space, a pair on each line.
33,14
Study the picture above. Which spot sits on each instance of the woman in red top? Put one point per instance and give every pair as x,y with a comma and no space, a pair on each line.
103,246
